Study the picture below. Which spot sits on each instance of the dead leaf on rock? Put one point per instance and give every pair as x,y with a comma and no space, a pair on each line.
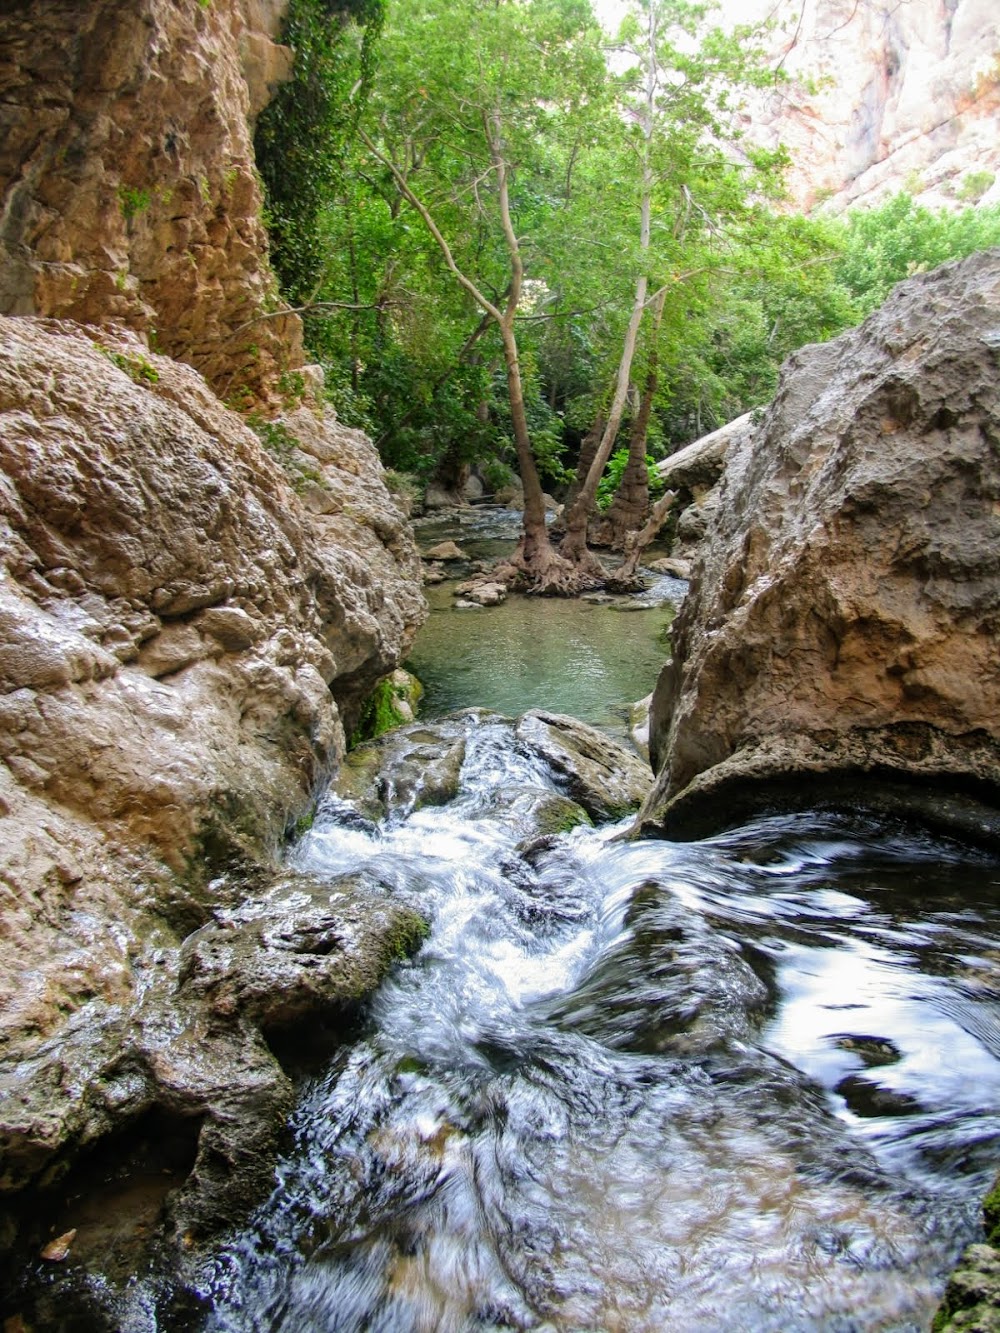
58,1249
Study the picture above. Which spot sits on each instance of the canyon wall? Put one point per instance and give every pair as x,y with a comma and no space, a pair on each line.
127,177
880,96
191,611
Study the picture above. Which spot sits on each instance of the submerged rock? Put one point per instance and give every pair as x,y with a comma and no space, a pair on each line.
669,984
839,642
405,769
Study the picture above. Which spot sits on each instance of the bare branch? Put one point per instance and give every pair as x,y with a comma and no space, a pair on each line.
433,228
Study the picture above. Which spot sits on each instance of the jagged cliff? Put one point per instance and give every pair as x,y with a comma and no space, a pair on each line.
881,96
188,621
128,183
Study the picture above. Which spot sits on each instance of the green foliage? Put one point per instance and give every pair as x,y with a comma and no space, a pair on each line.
304,134
403,345
133,201
276,438
884,245
137,367
974,185
614,472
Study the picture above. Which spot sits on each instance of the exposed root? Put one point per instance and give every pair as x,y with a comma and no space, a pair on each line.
547,573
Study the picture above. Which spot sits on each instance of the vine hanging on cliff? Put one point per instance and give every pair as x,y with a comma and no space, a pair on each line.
303,135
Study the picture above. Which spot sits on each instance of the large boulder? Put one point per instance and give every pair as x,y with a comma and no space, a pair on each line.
839,643
188,625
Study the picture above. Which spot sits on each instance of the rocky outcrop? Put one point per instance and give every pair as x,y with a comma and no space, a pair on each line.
597,772
188,624
694,473
880,96
127,177
839,642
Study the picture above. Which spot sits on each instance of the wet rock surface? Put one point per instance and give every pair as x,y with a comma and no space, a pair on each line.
303,951
403,770
183,641
600,774
839,641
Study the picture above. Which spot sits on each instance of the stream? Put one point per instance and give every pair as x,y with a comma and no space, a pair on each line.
749,1083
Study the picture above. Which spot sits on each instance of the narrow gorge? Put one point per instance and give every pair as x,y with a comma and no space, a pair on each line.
490,1021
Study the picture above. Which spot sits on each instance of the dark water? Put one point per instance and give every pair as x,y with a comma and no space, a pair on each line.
749,1083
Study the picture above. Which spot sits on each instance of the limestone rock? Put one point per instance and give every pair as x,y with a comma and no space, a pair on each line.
698,466
404,770
127,175
672,566
482,591
181,647
884,97
445,551
303,951
840,636
599,773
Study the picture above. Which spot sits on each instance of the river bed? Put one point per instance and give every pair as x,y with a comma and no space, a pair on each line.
751,1083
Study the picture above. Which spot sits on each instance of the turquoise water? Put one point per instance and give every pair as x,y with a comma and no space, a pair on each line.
567,655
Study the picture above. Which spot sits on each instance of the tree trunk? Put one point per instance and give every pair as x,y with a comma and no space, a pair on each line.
630,507
624,578
574,544
536,538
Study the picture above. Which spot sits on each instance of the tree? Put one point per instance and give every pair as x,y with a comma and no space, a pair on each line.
477,107
304,134
690,183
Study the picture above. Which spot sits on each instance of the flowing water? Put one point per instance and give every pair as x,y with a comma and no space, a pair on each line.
751,1083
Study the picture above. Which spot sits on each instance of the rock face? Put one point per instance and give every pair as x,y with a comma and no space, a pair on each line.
694,472
839,642
187,626
883,97
127,176
191,613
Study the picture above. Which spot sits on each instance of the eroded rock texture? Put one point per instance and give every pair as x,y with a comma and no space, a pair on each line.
127,178
839,641
186,626
882,96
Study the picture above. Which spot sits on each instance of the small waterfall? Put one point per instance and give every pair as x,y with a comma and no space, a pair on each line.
750,1083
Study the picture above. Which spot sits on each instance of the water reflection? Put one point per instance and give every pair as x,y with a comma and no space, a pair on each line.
566,656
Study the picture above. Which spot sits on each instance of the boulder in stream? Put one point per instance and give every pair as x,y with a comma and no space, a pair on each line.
839,642
306,950
403,770
608,780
